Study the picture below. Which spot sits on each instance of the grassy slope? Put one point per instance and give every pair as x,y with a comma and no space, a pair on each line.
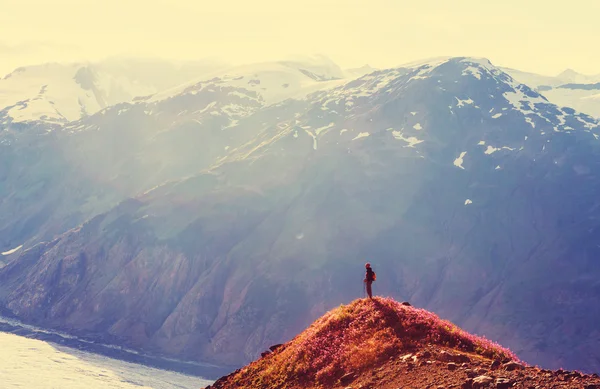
354,338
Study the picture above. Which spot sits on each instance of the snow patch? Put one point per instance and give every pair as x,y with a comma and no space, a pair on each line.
477,67
418,127
520,101
458,162
424,68
473,71
324,128
314,139
411,140
587,124
496,116
9,252
491,150
468,201
361,135
528,120
461,103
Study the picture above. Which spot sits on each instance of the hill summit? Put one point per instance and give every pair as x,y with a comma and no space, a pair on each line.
386,344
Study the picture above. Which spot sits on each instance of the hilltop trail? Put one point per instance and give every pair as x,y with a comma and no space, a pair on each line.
382,343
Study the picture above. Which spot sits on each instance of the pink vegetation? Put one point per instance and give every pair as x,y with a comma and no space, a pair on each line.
361,335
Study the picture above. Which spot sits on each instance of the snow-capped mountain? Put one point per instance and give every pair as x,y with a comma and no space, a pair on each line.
59,93
472,194
345,113
269,82
54,93
568,89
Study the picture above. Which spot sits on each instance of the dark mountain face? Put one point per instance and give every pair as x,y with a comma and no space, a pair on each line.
470,194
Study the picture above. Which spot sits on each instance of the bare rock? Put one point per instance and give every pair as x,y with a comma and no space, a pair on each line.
510,366
347,378
470,373
456,358
503,383
483,381
275,347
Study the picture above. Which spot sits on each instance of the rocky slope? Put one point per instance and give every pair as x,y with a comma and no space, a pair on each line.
383,344
471,194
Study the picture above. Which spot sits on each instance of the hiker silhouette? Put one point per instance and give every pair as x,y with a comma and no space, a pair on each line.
370,276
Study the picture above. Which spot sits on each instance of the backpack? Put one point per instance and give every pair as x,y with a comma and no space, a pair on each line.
374,276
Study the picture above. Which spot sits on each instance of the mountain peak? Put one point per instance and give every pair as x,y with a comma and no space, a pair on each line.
571,76
568,73
386,344
364,335
436,61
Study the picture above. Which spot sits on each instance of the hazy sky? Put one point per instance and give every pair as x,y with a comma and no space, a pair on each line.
545,36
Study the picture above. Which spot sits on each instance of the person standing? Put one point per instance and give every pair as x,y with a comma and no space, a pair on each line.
370,277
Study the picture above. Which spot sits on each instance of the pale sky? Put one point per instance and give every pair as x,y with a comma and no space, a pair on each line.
544,36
